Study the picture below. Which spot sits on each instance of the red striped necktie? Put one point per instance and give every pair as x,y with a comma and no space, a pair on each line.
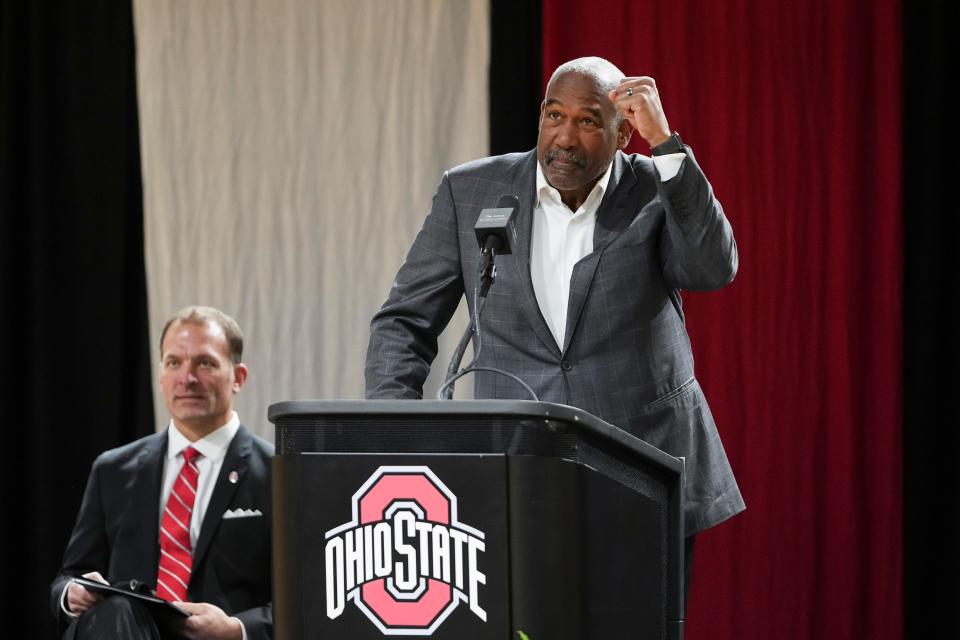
176,552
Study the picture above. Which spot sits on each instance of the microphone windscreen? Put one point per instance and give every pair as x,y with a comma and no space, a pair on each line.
497,226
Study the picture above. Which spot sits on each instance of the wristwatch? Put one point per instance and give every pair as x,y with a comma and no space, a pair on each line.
673,144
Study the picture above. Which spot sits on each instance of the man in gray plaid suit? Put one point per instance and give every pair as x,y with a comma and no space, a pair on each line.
586,310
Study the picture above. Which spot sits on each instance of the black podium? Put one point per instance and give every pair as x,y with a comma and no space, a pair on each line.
481,519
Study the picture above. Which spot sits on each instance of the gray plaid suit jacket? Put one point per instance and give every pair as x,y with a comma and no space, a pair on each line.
626,357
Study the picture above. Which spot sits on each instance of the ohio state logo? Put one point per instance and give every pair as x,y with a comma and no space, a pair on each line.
405,560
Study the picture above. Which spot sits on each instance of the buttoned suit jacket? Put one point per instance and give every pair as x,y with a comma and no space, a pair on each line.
626,356
117,529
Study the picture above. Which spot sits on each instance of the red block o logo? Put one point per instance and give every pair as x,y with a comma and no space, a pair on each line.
404,559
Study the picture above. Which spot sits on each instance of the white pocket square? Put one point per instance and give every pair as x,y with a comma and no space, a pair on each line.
241,513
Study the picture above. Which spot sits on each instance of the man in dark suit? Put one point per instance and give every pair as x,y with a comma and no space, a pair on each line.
186,511
586,310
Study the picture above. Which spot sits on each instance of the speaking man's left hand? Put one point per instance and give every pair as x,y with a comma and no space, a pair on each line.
638,100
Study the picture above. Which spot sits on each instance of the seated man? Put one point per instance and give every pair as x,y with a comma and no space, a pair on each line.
186,510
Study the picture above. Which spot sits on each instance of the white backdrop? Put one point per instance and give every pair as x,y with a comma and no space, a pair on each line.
290,150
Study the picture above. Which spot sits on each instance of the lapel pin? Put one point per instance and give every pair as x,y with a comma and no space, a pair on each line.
233,477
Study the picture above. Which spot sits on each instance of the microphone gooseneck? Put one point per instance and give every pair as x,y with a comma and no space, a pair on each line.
495,234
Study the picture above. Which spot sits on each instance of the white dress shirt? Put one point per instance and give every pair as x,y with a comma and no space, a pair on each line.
212,449
561,238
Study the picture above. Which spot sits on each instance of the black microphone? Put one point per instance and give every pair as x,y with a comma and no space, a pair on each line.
496,235
495,228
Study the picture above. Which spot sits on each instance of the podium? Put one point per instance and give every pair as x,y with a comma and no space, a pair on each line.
489,519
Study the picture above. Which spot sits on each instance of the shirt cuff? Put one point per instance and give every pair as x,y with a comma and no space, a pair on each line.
242,628
668,165
66,609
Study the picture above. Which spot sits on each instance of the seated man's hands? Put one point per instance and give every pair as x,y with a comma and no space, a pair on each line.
79,599
209,622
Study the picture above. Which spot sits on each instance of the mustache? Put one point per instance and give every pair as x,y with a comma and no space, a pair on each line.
568,156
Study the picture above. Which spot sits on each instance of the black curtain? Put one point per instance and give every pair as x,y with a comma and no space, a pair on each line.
75,365
932,326
515,75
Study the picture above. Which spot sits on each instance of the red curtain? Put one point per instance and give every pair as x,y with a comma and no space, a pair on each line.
794,112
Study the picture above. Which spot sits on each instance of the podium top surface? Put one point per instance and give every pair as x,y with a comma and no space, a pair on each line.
278,412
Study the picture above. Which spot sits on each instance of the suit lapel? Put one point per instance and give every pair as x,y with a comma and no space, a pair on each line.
614,215
617,209
223,491
526,184
145,507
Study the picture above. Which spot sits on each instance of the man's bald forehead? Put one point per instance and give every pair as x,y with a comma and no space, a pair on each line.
603,72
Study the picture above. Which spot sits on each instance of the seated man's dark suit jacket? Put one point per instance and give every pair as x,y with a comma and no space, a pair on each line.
118,526
626,357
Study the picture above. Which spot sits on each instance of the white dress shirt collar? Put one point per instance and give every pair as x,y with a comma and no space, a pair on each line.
212,446
545,190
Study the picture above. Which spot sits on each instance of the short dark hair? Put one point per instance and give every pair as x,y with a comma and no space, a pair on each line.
198,314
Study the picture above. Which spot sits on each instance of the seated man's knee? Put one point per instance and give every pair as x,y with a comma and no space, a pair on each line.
116,617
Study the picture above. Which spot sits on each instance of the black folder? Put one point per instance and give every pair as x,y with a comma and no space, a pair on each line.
166,614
